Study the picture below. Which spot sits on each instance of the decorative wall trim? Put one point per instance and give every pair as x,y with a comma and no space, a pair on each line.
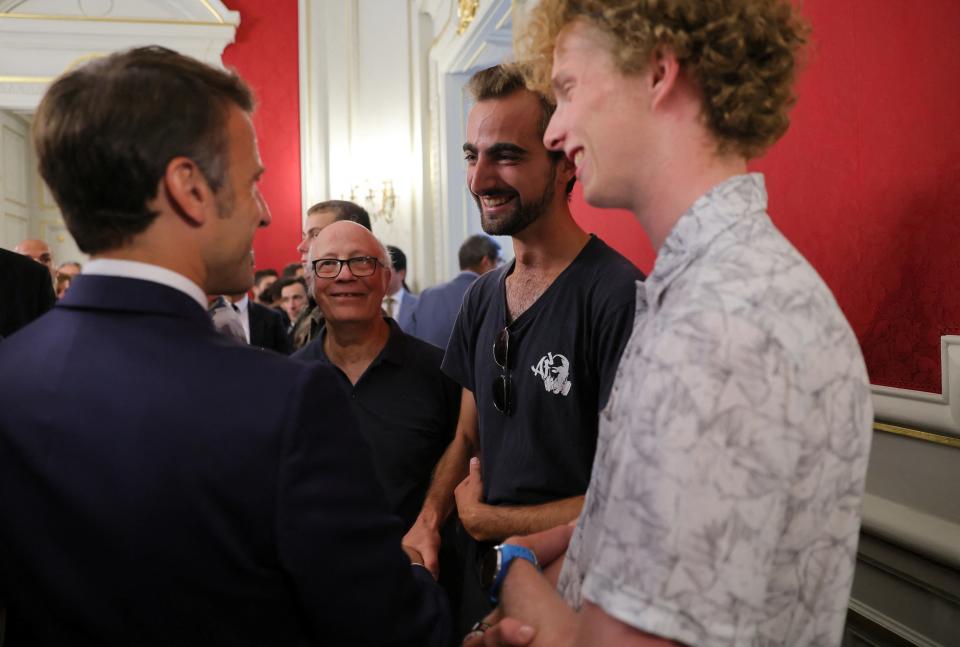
933,412
486,41
107,19
900,597
466,12
926,534
199,15
872,627
940,439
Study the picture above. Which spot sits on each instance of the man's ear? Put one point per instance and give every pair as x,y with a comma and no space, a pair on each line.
566,170
663,74
187,190
387,276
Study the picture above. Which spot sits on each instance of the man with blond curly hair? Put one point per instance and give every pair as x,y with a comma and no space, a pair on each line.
723,507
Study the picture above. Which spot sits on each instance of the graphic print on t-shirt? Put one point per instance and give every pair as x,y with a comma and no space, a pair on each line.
554,371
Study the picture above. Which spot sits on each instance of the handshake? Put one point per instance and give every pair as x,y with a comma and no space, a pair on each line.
526,593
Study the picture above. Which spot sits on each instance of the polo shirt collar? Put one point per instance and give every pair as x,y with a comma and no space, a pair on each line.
393,352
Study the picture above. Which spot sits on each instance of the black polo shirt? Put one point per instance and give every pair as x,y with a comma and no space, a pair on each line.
407,409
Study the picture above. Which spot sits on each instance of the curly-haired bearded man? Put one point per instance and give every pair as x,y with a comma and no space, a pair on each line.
723,507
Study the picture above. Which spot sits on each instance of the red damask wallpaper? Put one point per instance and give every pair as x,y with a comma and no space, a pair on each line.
867,181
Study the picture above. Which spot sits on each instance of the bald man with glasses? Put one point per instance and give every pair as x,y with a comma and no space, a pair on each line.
407,408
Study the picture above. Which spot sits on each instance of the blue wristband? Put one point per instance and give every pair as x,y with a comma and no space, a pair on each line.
505,554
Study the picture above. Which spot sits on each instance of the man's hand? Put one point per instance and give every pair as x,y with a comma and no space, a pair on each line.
508,632
425,541
470,505
413,555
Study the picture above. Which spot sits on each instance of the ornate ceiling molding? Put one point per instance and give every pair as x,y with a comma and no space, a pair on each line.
41,39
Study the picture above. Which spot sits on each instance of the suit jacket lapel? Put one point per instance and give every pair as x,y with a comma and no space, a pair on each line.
257,323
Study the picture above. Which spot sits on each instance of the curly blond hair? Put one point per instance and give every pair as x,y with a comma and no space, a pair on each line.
743,55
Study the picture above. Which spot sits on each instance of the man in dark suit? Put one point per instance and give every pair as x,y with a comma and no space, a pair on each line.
267,328
436,311
25,291
184,490
263,327
399,302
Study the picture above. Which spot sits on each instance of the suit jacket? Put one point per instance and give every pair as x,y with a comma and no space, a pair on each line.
26,291
267,329
162,485
407,306
438,307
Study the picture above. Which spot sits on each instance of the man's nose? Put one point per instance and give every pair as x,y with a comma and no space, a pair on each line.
265,217
345,273
554,135
481,176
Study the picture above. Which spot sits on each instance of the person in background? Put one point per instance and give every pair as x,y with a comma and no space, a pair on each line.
318,216
399,303
264,327
724,506
293,295
292,270
38,251
62,284
70,268
66,272
25,292
263,279
406,406
437,308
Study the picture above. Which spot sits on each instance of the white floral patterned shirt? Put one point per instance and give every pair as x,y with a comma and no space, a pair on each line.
724,503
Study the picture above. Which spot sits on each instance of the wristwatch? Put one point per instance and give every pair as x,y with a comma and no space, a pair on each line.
493,570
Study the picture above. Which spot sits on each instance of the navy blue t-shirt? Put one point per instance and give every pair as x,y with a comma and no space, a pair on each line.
563,358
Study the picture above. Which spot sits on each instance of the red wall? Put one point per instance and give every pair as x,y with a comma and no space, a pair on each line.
265,55
867,181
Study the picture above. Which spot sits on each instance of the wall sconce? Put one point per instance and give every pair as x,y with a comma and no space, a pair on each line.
380,203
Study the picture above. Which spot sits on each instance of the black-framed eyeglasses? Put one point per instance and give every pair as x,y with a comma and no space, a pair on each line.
502,390
360,266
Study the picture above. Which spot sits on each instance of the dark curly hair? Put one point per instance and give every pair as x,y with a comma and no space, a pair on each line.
741,53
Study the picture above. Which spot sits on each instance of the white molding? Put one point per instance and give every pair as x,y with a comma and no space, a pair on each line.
314,178
179,11
938,412
924,533
908,635
453,57
361,109
41,40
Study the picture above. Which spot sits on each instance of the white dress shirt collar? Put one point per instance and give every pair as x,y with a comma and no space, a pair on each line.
146,272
